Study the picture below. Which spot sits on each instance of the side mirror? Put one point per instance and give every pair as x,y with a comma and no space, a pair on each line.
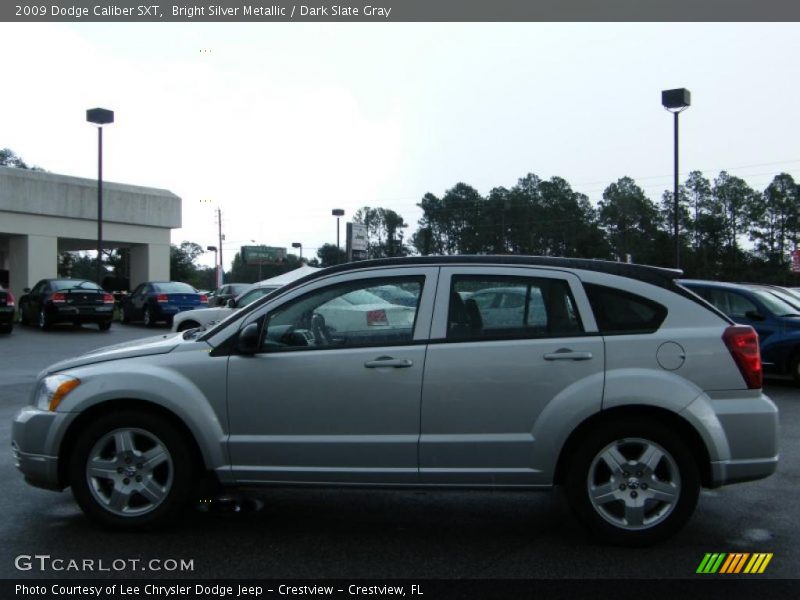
248,342
231,303
754,315
26,290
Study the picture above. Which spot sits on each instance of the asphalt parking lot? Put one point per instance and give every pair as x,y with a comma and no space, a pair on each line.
379,534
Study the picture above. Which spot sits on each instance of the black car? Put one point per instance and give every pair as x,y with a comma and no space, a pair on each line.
229,291
155,301
7,310
65,300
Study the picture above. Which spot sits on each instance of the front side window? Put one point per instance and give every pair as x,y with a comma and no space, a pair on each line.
344,316
500,307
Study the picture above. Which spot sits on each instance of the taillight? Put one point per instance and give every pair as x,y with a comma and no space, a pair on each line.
377,317
742,342
10,301
108,299
203,299
58,297
162,298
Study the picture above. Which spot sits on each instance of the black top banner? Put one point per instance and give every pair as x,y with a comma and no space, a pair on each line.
403,11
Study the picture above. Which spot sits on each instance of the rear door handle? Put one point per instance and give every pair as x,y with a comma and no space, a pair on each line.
388,361
567,354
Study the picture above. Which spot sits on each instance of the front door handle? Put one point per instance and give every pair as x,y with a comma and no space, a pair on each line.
388,361
567,354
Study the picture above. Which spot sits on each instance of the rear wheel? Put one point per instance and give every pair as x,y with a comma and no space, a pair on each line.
6,327
44,320
104,325
795,368
633,482
131,469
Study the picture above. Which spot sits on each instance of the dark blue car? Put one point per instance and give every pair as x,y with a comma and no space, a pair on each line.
774,317
160,301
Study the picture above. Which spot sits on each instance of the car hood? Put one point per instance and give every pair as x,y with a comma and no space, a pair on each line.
160,344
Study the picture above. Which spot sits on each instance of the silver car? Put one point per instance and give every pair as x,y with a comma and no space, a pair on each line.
612,381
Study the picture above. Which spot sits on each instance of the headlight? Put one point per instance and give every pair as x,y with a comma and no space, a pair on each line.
53,389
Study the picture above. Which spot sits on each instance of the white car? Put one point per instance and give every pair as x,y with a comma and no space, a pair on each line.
208,316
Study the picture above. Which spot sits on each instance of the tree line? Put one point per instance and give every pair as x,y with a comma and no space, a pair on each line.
727,230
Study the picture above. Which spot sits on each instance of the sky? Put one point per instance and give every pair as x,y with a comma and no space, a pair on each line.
278,123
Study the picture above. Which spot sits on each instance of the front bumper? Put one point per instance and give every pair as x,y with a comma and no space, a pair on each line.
35,439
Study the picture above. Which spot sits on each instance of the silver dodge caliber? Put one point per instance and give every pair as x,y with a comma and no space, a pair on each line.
507,372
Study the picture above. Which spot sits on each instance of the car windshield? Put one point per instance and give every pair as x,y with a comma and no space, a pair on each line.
173,287
784,295
776,305
360,297
253,295
65,284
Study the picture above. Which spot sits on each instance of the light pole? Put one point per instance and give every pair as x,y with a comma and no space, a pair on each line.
298,245
676,101
100,117
216,264
337,212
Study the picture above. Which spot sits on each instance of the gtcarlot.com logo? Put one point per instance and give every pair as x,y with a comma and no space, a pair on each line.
734,563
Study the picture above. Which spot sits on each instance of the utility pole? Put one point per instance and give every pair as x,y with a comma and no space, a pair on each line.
221,276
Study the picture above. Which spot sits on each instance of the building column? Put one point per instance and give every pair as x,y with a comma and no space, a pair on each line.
31,258
149,263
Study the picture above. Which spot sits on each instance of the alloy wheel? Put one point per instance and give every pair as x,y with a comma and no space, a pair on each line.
633,483
129,472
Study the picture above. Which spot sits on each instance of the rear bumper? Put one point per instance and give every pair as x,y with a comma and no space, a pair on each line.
7,315
740,429
83,315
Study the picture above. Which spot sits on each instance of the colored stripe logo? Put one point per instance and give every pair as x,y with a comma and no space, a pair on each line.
734,563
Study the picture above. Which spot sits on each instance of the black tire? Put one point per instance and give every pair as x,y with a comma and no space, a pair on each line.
608,518
104,325
147,317
22,319
179,477
123,315
794,368
186,325
43,320
6,327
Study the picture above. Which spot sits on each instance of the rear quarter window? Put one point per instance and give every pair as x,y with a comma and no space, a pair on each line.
618,312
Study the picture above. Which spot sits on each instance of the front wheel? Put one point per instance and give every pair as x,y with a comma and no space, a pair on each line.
148,319
633,482
130,470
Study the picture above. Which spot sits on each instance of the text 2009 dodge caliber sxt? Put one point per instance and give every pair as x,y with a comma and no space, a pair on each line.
505,372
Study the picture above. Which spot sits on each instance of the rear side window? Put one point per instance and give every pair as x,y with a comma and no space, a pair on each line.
487,307
619,312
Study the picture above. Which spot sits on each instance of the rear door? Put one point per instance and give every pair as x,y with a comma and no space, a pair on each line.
502,384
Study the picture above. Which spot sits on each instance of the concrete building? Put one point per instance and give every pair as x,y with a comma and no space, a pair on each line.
42,214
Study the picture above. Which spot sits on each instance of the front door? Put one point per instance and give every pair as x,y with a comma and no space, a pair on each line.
334,394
